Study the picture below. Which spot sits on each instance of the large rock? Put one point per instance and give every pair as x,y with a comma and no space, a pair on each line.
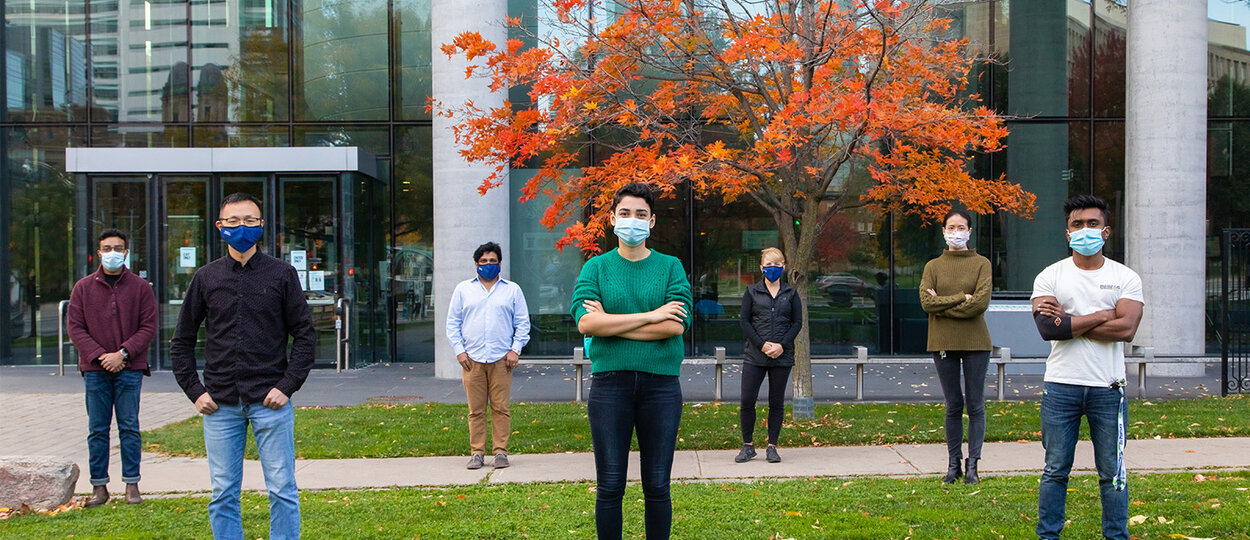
42,482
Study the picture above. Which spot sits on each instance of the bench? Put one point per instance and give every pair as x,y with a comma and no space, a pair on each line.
1001,356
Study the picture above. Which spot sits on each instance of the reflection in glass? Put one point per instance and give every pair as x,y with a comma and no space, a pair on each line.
1109,53
1108,180
184,246
545,275
309,225
1050,160
239,136
412,257
139,60
1045,38
240,55
341,60
412,58
140,136
374,140
46,61
39,258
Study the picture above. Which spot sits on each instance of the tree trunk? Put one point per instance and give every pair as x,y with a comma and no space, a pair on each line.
799,246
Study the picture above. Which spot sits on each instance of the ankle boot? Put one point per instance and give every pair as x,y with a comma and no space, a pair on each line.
953,472
132,494
971,477
99,496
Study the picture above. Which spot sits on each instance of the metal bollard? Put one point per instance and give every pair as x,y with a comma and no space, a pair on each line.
720,364
861,355
1004,356
579,356
60,336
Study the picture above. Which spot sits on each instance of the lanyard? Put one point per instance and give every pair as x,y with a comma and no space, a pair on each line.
1121,475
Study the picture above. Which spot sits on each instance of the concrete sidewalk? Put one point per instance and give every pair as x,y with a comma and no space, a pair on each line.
163,474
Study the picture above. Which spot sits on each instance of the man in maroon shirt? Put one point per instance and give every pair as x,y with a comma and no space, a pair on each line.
112,321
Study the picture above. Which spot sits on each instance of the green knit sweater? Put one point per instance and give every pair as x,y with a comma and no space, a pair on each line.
956,323
625,286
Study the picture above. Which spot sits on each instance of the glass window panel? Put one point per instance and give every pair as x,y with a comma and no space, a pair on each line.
241,135
341,60
412,58
1050,160
139,56
374,140
545,275
240,55
1228,59
1110,34
46,61
1108,181
140,136
1046,41
40,256
727,243
412,258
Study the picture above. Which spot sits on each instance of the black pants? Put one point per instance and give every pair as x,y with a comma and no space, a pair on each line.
974,364
752,379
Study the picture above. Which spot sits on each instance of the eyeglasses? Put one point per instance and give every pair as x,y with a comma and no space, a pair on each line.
235,221
110,249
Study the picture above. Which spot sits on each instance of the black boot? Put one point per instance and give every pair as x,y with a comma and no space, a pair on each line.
954,471
971,477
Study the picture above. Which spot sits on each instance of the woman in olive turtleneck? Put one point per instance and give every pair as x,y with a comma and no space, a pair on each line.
955,291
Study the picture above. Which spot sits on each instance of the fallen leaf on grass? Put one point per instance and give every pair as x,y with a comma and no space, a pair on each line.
794,513
1137,520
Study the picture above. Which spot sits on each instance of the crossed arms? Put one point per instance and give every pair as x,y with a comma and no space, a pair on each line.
1118,324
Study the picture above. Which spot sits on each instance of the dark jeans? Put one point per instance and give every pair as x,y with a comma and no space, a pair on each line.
974,364
752,379
1063,405
620,402
108,392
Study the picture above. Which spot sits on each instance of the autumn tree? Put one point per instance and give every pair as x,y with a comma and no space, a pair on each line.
773,100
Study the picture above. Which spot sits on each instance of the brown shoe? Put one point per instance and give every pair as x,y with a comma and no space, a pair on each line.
99,496
132,494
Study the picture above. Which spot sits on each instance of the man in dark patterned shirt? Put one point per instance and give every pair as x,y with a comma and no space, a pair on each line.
249,303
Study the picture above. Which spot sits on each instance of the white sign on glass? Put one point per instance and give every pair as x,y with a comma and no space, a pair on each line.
303,280
299,259
317,280
186,257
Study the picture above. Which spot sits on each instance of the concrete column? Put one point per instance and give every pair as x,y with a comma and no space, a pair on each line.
1165,139
463,219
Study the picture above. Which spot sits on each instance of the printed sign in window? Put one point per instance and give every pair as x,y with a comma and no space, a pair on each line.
299,259
186,257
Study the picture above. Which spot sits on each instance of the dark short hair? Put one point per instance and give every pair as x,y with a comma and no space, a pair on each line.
489,247
1082,202
238,197
635,189
113,233
956,212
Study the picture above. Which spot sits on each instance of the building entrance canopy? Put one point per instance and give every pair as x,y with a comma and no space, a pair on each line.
317,206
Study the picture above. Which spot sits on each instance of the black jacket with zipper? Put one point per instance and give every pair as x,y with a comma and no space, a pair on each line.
764,318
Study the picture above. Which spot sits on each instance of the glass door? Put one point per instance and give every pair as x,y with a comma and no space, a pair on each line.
122,203
308,238
184,247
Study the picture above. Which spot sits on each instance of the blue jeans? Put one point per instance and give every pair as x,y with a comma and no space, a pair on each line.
620,402
225,436
108,393
1062,408
974,364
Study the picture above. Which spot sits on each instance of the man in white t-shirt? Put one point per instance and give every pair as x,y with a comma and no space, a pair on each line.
1087,306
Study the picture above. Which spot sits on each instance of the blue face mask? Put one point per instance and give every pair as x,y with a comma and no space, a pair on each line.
112,261
242,237
773,273
1087,241
632,231
488,271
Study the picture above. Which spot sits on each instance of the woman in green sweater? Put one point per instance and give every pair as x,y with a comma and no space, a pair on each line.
634,303
955,291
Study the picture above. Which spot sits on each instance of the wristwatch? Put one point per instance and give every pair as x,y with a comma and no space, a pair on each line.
125,354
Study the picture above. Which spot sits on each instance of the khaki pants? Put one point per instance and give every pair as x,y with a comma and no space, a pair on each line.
488,383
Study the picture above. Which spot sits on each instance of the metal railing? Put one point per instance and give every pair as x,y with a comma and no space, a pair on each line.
60,336
342,334
1142,356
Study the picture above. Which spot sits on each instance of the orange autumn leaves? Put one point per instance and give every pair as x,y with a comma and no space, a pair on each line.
776,103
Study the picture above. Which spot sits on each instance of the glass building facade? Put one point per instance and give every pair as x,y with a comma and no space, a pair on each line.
276,73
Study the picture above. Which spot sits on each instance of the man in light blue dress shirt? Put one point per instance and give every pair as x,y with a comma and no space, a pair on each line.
488,324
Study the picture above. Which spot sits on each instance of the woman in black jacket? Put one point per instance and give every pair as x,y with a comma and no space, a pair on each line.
771,318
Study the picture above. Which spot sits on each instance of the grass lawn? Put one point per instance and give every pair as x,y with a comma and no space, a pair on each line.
1170,506
437,429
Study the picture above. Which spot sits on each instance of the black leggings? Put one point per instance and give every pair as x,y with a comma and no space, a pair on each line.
972,396
752,379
